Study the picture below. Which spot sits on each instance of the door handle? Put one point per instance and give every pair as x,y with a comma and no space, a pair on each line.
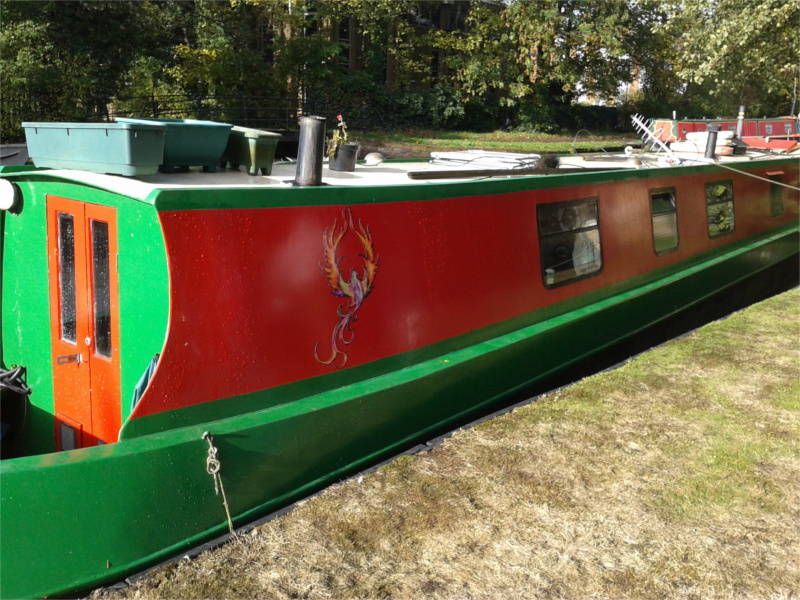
68,358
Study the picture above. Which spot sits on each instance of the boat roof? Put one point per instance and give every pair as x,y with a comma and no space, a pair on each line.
388,173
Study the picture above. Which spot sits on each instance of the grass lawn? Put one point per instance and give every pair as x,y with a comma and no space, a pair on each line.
420,143
675,476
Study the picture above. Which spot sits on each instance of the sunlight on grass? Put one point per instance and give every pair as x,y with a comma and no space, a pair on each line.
786,395
498,140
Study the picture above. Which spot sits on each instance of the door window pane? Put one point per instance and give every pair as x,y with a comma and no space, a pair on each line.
66,275
102,289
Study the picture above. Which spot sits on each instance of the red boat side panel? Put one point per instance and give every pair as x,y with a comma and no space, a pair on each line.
252,282
265,297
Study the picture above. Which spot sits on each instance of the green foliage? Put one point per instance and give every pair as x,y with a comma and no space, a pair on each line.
440,107
408,109
394,41
425,63
66,60
225,52
480,60
548,110
741,51
583,44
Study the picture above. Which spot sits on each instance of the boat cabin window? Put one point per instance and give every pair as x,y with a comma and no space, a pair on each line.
719,208
775,195
664,211
66,276
569,241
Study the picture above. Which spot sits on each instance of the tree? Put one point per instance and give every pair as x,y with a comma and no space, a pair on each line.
581,44
480,57
442,63
221,51
741,51
75,53
394,40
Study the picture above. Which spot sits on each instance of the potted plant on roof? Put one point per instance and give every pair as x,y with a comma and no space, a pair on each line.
342,152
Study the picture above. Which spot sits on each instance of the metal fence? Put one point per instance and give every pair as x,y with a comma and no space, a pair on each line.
279,114
260,112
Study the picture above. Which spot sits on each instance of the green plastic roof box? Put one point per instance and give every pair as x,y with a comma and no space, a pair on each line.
117,148
190,143
253,148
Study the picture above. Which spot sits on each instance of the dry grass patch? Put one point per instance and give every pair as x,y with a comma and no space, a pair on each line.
675,476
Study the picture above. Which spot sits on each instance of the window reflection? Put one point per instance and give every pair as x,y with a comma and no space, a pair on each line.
719,201
569,240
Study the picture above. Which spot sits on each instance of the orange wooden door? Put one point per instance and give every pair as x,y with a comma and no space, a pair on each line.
84,309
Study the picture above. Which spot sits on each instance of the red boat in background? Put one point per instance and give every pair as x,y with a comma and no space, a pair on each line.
675,130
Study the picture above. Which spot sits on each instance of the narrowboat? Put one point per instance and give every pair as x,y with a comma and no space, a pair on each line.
184,352
671,130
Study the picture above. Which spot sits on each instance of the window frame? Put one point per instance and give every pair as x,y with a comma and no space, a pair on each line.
545,236
665,190
776,194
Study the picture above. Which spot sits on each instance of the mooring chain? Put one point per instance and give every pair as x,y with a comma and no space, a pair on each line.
213,467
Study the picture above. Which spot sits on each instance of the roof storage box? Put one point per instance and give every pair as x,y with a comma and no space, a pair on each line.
190,143
118,148
253,148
